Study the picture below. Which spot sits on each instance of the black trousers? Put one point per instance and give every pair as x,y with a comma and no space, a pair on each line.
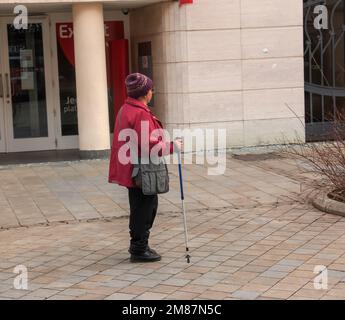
143,210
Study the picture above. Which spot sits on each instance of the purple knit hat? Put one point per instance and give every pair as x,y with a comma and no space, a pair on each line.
138,85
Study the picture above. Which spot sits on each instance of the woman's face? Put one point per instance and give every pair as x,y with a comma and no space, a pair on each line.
149,96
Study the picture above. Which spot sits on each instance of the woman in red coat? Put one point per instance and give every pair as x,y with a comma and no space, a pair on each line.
132,115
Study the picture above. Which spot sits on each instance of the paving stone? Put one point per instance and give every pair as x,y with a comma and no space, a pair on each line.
14,294
133,289
161,288
59,297
309,294
245,295
151,296
278,294
73,292
182,295
121,296
213,295
176,282
42,293
274,274
117,283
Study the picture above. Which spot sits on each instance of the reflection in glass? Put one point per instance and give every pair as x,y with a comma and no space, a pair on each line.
29,109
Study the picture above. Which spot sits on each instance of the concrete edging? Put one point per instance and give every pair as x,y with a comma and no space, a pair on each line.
324,203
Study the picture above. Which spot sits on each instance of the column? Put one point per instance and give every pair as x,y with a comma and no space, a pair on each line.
91,80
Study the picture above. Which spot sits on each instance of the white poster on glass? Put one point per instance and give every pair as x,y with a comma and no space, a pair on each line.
26,69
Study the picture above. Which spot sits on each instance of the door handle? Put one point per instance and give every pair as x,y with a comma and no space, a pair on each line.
1,87
7,86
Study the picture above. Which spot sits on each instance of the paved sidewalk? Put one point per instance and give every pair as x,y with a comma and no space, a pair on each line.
79,191
250,237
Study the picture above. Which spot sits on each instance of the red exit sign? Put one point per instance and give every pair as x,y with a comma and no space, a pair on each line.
185,2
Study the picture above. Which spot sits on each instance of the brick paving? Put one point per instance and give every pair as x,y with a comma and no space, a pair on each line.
251,235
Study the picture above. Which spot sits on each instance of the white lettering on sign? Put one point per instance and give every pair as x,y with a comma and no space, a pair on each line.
106,30
65,31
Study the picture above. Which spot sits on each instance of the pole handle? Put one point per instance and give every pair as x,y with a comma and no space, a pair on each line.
180,171
181,181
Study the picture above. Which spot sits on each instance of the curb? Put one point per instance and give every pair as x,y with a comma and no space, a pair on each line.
323,203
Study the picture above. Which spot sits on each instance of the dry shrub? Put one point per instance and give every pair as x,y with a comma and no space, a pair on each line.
326,159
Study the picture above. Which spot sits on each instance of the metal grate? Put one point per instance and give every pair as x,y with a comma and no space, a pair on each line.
324,60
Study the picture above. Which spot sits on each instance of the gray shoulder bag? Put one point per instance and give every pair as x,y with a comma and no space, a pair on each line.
152,178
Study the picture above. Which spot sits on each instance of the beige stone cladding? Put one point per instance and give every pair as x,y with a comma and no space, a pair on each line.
234,64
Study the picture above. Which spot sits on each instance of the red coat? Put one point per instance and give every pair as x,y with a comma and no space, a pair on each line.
132,114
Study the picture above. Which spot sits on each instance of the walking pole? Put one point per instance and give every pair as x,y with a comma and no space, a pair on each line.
183,207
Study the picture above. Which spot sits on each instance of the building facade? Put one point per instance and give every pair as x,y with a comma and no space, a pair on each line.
233,64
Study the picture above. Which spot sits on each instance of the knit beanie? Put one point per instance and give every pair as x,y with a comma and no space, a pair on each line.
138,85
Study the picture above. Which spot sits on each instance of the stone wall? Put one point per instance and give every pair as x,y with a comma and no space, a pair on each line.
231,64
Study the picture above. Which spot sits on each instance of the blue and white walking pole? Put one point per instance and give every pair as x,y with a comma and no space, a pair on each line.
183,206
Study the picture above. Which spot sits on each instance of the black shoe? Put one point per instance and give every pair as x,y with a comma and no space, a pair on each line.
148,248
151,250
147,256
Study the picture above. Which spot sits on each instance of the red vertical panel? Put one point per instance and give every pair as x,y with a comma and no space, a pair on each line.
119,64
114,30
64,33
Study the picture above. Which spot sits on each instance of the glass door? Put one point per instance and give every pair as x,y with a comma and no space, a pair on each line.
2,118
27,115
3,93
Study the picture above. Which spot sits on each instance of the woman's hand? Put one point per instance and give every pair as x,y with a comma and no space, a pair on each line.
178,143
